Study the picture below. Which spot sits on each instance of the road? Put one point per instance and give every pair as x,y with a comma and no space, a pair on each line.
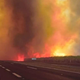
15,71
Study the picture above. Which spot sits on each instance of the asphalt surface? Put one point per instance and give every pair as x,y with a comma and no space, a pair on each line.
15,71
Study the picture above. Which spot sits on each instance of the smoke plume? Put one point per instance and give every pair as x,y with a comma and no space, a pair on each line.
42,28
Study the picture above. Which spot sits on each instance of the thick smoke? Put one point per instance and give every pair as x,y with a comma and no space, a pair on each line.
30,26
26,31
23,30
75,24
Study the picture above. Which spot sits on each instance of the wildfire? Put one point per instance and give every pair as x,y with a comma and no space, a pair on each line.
61,17
63,50
42,29
20,57
59,53
62,44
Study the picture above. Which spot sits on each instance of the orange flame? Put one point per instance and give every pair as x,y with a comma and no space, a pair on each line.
20,57
61,42
61,17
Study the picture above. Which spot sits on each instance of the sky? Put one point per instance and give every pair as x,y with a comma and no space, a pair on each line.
43,28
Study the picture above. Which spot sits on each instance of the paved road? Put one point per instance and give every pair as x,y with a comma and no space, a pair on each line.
5,75
15,71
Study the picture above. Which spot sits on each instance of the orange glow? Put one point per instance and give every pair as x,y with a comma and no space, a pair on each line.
59,53
61,43
20,58
61,2
62,13
61,17
63,50
45,28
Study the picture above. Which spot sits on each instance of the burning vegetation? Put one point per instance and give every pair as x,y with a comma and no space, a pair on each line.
43,28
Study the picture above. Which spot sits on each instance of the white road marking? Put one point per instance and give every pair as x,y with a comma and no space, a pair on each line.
32,68
53,68
16,75
3,67
7,70
0,65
